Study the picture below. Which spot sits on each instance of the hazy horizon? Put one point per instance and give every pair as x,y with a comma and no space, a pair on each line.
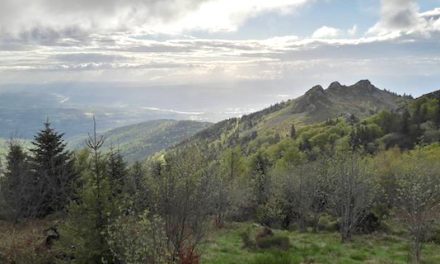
218,55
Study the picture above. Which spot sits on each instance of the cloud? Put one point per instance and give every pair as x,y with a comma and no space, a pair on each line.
326,32
49,21
431,14
399,14
352,31
402,17
97,40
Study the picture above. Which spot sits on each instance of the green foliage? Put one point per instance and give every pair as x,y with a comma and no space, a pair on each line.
276,241
117,173
53,175
138,142
327,223
84,233
182,188
351,191
15,186
418,195
247,239
138,239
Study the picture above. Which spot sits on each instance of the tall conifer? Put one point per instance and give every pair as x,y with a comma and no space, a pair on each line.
53,172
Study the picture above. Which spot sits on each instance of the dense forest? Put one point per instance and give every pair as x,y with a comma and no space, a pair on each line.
261,186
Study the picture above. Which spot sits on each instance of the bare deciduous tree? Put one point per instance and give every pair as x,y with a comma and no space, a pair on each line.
351,193
183,199
418,198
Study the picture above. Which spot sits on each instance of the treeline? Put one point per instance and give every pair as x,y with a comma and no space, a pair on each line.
343,176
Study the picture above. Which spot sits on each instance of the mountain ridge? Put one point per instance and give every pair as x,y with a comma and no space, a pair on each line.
316,105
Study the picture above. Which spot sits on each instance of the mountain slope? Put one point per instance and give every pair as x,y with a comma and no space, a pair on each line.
137,142
317,105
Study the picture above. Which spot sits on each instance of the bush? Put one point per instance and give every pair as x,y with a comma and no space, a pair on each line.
327,223
266,239
434,235
369,224
138,239
247,240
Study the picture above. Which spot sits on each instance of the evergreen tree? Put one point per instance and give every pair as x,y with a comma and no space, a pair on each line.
14,184
53,174
84,235
292,131
260,169
405,122
117,172
137,188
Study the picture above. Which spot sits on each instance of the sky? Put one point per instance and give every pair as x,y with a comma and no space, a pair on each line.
281,47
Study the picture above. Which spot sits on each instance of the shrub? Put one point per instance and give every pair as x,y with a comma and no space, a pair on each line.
327,223
369,224
247,240
434,235
281,242
188,255
139,239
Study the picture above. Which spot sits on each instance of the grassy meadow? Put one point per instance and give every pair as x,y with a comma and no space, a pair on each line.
225,246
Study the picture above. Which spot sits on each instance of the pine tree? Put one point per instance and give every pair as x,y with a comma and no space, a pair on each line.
53,172
15,183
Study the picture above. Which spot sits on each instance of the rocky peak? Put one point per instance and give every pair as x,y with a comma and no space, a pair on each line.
316,90
365,85
335,85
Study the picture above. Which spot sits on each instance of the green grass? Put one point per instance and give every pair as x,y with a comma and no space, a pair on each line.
225,247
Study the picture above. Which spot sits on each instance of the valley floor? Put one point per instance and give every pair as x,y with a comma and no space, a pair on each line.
225,247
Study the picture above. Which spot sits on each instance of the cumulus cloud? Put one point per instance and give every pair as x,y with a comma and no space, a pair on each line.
326,32
47,21
403,17
107,40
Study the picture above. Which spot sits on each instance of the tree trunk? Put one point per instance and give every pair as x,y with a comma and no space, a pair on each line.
346,235
416,251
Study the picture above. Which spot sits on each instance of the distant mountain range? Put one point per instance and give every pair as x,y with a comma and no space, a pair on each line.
140,140
22,114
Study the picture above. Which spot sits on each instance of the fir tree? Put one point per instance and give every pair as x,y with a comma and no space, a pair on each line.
117,172
14,185
84,233
53,172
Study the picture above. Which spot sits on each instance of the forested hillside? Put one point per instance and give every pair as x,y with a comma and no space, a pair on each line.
137,142
317,105
349,174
